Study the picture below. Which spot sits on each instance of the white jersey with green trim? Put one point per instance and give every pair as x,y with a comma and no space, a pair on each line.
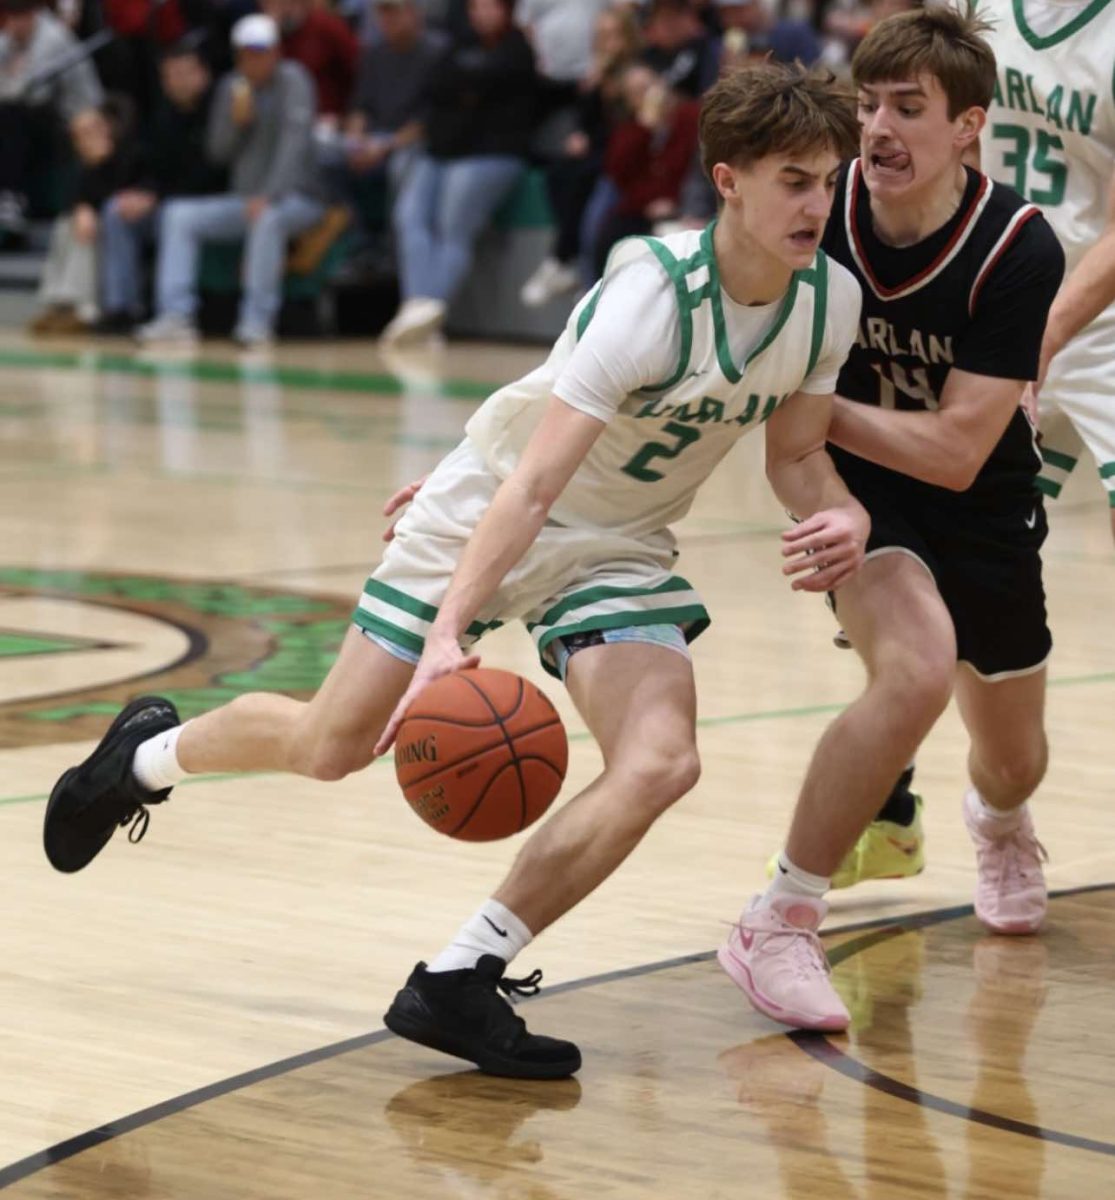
1050,132
664,440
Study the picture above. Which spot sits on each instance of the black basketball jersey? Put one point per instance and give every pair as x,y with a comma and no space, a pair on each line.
973,295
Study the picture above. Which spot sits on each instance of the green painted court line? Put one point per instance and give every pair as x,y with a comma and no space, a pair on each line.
774,714
208,371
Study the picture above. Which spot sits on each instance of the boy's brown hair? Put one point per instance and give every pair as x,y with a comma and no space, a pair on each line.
941,42
775,108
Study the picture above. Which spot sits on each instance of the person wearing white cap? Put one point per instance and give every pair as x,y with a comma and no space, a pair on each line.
261,127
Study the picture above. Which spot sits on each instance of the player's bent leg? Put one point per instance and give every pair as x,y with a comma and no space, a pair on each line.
900,627
902,631
1005,719
650,760
326,738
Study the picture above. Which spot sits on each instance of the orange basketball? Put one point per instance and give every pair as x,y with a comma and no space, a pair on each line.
481,754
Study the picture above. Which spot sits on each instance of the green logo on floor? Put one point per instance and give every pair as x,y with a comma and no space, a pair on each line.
74,647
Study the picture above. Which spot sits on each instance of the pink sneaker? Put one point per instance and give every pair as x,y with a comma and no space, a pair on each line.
1011,896
776,959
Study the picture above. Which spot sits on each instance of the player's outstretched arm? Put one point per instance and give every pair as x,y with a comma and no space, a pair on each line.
827,545
946,447
1088,290
513,520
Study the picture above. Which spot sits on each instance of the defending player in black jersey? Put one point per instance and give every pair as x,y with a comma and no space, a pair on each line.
958,275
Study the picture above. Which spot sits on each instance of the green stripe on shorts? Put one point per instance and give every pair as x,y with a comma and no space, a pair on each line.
594,595
1056,459
396,616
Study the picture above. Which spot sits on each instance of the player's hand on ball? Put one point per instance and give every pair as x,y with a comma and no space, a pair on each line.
826,549
399,500
440,656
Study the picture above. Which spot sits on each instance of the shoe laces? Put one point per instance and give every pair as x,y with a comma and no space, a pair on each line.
1018,853
529,986
137,819
802,948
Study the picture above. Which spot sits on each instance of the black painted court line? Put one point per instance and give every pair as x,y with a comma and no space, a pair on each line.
818,1045
880,928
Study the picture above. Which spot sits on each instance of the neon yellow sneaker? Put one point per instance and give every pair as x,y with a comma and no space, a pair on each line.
885,850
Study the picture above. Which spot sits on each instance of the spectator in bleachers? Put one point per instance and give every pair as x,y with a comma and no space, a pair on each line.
647,158
847,23
560,33
175,164
768,35
384,129
571,180
478,136
143,28
261,126
44,84
679,47
322,42
68,287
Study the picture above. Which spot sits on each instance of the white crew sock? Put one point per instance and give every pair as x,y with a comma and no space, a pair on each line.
156,764
792,880
492,929
1005,818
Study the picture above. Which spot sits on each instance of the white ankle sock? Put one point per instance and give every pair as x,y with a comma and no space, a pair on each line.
492,929
156,764
795,881
1005,817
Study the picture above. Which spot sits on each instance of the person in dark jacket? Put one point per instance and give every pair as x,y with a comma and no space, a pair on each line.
478,131
175,164
68,286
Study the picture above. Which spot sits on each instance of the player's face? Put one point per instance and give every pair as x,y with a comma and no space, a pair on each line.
781,202
907,140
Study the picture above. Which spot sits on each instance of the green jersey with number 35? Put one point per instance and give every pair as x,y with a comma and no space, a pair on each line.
1050,131
665,439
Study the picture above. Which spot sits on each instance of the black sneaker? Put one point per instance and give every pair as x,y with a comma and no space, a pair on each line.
91,800
462,1013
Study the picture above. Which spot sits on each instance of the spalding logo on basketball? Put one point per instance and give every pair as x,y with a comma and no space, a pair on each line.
481,754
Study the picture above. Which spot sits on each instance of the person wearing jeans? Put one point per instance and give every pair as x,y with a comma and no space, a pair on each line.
261,124
479,124
174,165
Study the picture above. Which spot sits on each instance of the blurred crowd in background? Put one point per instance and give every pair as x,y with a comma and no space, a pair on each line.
147,129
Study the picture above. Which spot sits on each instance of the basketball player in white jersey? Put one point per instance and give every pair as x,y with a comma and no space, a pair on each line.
555,509
958,275
1050,135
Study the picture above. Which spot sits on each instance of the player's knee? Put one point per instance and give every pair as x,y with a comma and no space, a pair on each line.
918,687
1019,773
330,757
660,777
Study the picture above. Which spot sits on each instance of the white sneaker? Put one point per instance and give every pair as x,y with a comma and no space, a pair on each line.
550,279
418,319
250,337
169,329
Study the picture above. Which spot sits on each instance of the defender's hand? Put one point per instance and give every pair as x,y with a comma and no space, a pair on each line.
830,545
401,498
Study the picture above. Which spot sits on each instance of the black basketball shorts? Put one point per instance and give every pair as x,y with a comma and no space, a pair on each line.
986,561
